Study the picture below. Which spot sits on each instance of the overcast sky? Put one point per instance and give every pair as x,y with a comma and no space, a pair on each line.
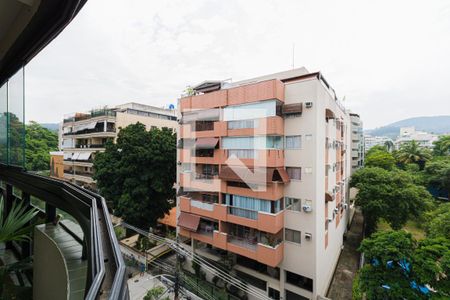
390,59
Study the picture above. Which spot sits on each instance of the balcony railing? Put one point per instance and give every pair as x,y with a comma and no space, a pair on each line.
242,212
87,131
90,146
106,269
91,114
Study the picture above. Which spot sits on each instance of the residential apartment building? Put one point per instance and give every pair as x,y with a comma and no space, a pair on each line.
370,141
408,134
85,134
263,177
357,141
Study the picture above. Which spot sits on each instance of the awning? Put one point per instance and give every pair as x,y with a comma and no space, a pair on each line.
283,174
253,175
206,143
84,126
328,197
75,156
84,155
292,108
188,221
67,155
201,115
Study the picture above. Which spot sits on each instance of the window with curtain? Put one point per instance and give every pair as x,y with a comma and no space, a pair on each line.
292,236
243,153
293,142
242,124
250,142
256,110
294,173
293,203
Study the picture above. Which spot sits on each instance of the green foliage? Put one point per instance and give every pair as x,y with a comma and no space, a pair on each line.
391,195
154,293
376,148
14,226
437,173
412,153
430,264
437,222
137,173
442,146
381,159
120,232
39,142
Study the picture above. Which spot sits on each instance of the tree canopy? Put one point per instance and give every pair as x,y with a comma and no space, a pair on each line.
442,146
137,173
437,222
39,142
412,152
391,195
380,158
397,265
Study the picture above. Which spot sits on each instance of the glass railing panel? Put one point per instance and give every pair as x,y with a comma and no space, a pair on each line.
16,119
3,124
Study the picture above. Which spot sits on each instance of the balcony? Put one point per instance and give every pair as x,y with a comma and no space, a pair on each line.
215,129
188,181
105,268
252,158
90,146
270,191
264,126
205,156
264,90
110,132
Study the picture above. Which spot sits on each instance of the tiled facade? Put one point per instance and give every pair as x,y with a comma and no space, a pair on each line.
263,175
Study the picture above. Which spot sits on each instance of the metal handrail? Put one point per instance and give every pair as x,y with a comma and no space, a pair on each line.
86,207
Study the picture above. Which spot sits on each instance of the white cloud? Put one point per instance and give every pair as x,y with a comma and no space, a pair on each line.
389,58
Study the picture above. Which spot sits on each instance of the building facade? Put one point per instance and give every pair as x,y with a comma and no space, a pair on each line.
263,177
408,134
370,141
85,134
357,141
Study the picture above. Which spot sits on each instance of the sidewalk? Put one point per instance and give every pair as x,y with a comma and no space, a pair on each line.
341,285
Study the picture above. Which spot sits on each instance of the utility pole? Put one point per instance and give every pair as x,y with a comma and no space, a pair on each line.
177,273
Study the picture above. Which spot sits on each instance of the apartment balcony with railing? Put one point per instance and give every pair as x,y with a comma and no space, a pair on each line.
264,90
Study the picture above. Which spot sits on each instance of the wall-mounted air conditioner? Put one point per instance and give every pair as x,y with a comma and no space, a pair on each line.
308,236
307,208
330,220
308,104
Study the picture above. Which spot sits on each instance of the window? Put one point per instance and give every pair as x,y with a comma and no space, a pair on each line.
246,153
292,236
293,203
293,296
250,142
299,280
294,173
261,109
274,294
293,142
242,124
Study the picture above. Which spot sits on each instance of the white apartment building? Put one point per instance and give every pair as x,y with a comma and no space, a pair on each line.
370,141
357,141
84,134
285,231
408,134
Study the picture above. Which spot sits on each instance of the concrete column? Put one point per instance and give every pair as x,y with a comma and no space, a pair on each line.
105,125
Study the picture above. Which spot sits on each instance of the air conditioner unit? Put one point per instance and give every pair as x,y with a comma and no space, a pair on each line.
336,210
179,163
308,236
307,208
308,104
179,121
330,220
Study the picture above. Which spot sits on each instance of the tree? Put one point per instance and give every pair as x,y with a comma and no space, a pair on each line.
397,264
391,195
381,159
411,152
437,173
376,148
437,222
138,173
39,142
154,293
442,146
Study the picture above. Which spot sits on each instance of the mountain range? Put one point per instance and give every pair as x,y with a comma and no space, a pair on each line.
435,124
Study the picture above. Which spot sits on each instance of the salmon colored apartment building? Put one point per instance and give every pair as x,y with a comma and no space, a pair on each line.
263,171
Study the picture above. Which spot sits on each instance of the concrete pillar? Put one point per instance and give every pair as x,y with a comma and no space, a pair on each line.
105,125
50,211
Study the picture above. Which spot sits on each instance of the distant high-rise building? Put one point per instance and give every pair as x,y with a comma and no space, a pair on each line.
357,142
85,134
263,175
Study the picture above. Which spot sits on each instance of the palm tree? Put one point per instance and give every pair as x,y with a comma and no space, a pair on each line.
412,153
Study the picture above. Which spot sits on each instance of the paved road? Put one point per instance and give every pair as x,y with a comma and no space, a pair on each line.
341,285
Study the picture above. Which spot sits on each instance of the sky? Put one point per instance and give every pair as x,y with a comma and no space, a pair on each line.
390,60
